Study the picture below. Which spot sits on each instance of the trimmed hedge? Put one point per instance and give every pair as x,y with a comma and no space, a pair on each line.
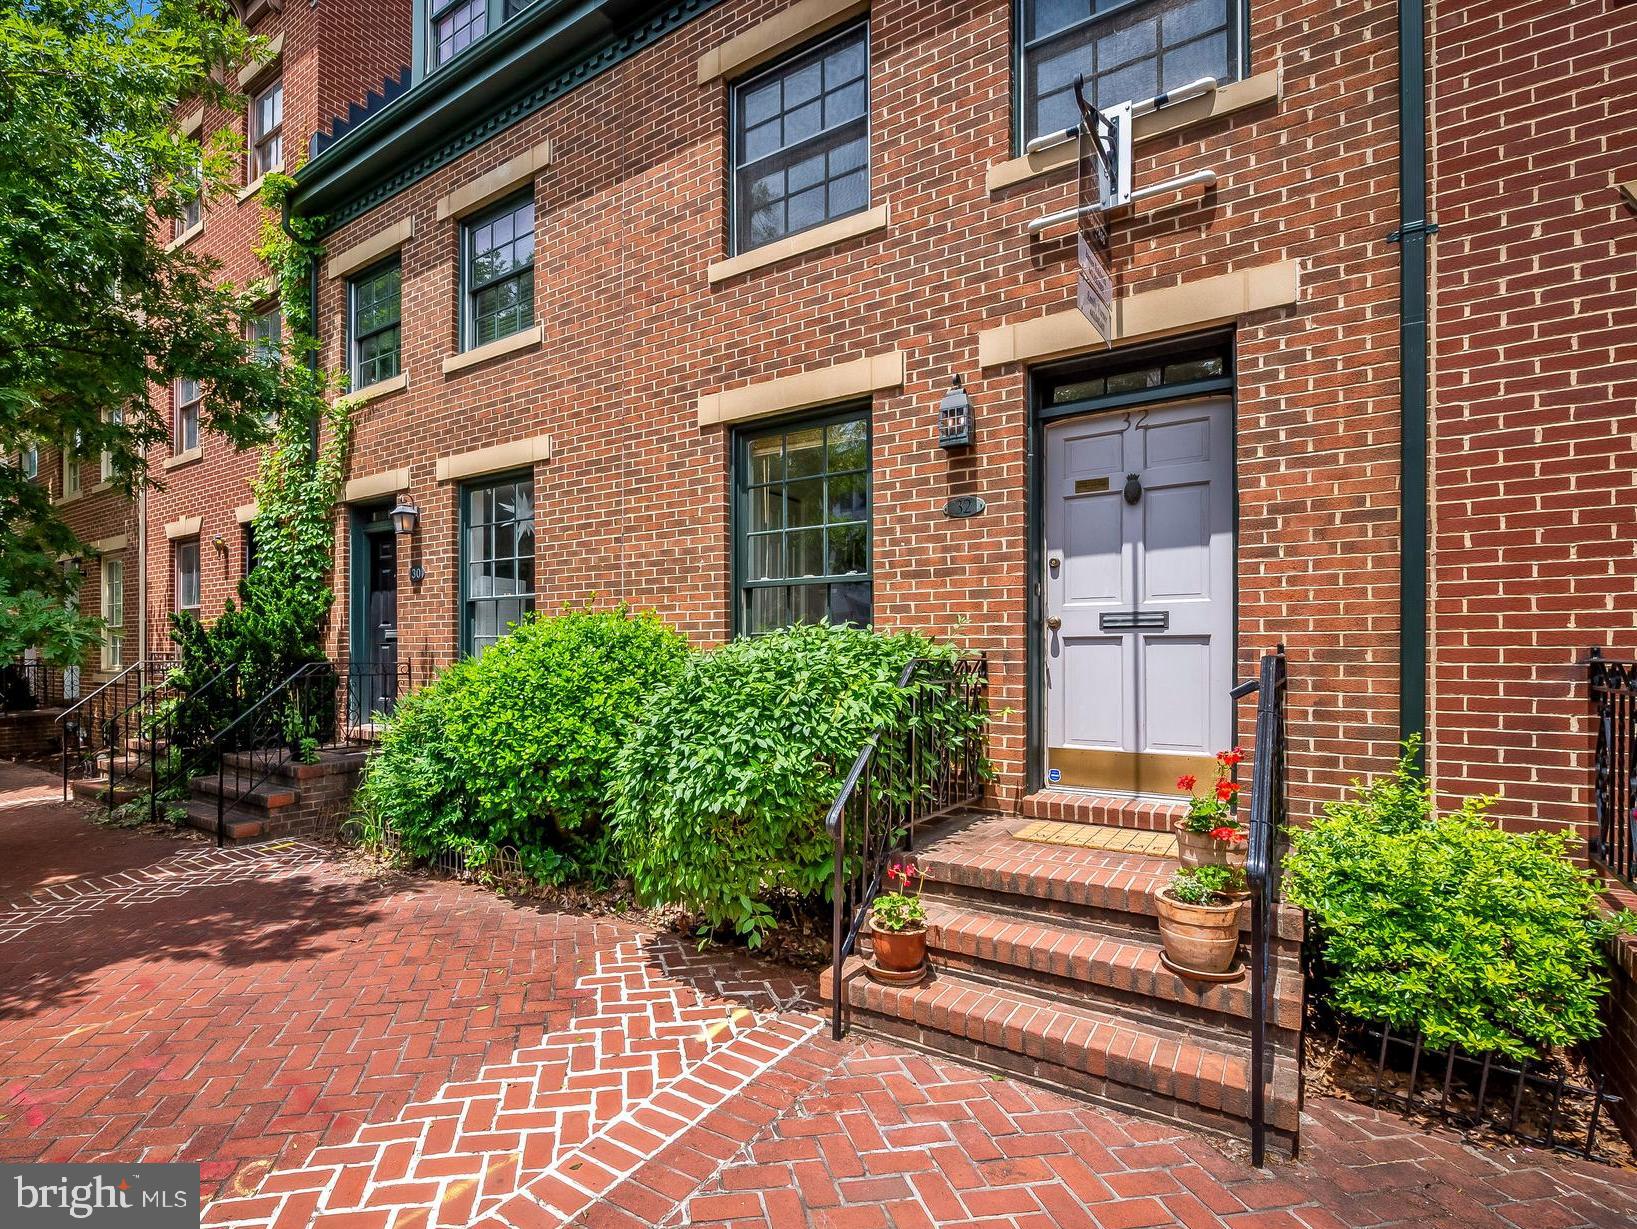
721,793
517,747
1488,939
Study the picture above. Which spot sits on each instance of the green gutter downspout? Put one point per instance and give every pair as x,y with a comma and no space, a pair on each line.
1411,237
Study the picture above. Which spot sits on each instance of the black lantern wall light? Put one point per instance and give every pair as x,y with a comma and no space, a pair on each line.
405,517
955,427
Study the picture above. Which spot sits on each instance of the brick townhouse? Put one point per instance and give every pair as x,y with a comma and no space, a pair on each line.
660,302
667,303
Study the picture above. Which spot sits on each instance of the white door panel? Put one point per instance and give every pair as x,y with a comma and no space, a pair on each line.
1141,690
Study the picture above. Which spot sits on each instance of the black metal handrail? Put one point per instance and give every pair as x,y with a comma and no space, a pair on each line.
869,821
1262,870
1614,695
271,732
96,723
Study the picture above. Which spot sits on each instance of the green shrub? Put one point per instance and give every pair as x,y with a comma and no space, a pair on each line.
720,796
1479,937
516,747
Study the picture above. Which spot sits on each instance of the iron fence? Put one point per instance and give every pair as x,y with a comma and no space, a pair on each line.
1532,1101
908,773
1614,697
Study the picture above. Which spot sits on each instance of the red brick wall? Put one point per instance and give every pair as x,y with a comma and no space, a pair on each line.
1534,124
634,502
331,55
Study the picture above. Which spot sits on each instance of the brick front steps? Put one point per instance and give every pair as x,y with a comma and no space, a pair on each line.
1084,807
295,799
1046,965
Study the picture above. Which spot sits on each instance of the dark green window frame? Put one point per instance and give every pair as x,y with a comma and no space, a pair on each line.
499,228
374,321
776,525
1104,37
487,536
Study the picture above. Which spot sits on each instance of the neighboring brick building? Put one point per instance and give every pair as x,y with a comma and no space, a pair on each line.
665,328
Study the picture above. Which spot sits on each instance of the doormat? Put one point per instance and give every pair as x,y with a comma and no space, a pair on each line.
1099,836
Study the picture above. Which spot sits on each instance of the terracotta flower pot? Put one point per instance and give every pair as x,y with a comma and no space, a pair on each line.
899,951
1203,849
1198,938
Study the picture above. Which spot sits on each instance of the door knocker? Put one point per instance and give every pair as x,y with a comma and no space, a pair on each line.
1133,488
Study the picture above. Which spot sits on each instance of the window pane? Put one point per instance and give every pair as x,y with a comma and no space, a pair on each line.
851,604
804,502
809,603
849,497
805,452
849,445
1128,55
806,552
765,558
798,129
846,549
766,610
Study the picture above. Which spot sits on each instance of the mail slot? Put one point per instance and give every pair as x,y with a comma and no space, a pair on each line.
1135,621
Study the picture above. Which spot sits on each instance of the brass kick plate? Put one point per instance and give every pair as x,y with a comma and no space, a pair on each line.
1126,771
1090,486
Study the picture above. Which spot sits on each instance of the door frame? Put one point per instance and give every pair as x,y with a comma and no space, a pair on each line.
1039,416
362,519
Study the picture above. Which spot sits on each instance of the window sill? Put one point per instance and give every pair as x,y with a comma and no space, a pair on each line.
254,186
528,339
184,458
381,388
1235,96
103,486
68,499
187,236
839,231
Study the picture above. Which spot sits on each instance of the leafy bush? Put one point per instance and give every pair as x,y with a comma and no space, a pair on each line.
516,747
1207,885
721,794
1479,937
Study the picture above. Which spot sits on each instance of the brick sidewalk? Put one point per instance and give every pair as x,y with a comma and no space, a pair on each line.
351,1052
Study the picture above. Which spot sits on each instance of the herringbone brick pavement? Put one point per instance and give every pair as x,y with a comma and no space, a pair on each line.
347,1051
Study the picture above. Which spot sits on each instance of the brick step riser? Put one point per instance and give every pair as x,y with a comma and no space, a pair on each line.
275,798
1231,1023
1078,1085
237,825
1066,807
1115,922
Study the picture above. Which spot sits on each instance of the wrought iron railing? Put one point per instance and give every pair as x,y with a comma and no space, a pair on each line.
1262,871
907,773
28,685
316,707
1538,1102
1614,696
95,729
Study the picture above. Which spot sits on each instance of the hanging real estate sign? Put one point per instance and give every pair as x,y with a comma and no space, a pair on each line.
1094,291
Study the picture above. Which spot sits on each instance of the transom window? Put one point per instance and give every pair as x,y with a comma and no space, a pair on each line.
186,558
267,131
1128,50
499,272
456,26
377,306
801,141
186,431
803,549
497,559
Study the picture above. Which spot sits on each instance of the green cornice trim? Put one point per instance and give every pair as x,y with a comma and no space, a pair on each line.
334,170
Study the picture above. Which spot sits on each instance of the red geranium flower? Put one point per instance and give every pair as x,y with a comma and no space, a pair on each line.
1187,781
1231,757
1225,790
1227,834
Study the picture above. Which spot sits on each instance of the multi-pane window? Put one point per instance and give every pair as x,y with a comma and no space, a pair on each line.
1126,51
251,555
31,462
498,270
113,614
115,416
186,558
71,468
803,549
192,211
377,308
801,140
185,435
497,555
266,335
267,131
456,25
